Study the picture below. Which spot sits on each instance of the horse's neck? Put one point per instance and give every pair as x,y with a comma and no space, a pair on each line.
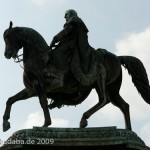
34,44
29,53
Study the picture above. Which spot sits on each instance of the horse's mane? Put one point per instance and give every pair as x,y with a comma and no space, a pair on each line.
28,34
33,34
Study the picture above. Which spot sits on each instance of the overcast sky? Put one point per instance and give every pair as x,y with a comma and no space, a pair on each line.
120,26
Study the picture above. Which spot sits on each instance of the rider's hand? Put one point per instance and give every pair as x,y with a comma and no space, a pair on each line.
55,40
52,44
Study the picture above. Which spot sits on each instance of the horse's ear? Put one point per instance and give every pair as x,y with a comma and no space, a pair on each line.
10,25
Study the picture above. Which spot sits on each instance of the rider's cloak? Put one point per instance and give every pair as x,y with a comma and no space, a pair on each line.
74,52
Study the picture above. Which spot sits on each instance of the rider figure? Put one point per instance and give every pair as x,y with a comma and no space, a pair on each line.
73,50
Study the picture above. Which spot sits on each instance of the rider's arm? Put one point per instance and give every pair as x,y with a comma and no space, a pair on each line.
62,34
65,32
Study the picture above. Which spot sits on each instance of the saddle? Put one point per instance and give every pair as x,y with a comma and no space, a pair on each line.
55,77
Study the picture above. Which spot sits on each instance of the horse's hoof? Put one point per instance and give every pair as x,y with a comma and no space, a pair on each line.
6,126
47,124
83,123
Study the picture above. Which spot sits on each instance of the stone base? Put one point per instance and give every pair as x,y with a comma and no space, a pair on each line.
107,138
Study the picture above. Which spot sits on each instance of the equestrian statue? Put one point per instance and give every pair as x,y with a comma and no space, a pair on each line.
68,69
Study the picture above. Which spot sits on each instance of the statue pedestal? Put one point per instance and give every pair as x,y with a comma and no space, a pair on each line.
106,138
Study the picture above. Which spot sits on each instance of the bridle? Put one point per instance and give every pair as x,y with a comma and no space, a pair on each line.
19,60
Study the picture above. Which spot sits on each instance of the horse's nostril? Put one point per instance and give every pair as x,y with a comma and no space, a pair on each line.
7,55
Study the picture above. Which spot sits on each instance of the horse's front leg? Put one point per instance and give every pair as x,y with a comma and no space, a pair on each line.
22,95
41,93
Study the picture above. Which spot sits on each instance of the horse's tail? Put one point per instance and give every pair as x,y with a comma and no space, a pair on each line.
139,76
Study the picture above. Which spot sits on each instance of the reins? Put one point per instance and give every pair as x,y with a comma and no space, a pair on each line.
19,60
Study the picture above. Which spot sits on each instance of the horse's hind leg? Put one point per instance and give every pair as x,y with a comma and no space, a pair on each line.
22,95
103,98
118,101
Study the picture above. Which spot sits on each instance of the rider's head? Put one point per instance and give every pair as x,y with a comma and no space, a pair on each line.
70,13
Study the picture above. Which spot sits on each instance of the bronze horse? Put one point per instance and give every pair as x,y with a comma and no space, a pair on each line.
107,85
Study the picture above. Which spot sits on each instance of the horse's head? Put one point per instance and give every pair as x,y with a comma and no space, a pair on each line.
12,41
